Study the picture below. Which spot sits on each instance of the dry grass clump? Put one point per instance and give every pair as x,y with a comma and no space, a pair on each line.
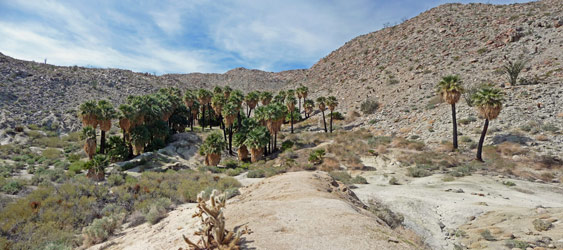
399,142
511,149
352,116
329,164
541,137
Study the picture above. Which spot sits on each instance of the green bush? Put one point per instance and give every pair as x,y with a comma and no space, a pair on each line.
101,229
258,173
550,128
157,210
369,107
422,170
117,149
346,178
336,115
379,140
12,186
77,167
115,179
516,244
231,163
287,144
51,153
233,171
316,157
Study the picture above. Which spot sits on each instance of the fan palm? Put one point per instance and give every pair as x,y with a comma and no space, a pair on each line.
230,112
204,97
89,134
266,97
96,167
251,100
194,110
106,114
140,136
450,90
256,140
321,103
488,101
227,91
217,90
331,102
309,106
211,149
301,93
290,102
88,112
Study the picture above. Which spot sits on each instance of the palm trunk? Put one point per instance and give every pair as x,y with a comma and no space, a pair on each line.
481,140
231,140
209,108
275,140
249,111
202,117
331,121
324,120
224,129
455,127
103,142
299,108
291,114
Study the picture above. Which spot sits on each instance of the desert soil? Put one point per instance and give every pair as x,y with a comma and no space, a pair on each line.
437,209
298,210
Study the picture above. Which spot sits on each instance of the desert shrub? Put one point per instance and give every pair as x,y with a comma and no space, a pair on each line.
231,163
346,178
51,153
51,142
510,243
508,183
101,229
257,173
467,120
541,225
369,107
233,171
511,148
392,219
77,166
115,179
287,144
461,171
11,186
393,181
157,210
550,128
486,234
316,156
421,170
433,102
466,139
379,140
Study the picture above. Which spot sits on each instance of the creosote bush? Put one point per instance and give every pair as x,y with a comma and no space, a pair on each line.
369,107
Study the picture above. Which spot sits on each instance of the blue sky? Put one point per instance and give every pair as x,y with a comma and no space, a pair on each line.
193,36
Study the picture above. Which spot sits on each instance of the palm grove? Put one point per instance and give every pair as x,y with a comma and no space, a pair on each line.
250,122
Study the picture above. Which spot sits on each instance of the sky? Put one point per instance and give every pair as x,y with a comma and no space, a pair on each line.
209,36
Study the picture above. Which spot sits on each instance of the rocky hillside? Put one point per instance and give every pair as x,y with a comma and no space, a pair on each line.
36,93
397,66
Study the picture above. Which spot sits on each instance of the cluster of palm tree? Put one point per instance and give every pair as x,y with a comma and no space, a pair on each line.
145,121
487,100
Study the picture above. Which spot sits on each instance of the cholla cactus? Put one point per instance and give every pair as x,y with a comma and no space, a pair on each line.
213,234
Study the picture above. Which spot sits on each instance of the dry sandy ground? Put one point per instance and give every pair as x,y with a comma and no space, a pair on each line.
435,209
299,210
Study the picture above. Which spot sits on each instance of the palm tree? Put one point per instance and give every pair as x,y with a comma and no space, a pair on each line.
227,91
299,91
106,114
96,167
217,90
266,97
126,121
140,136
290,102
309,106
88,112
251,100
488,101
89,134
217,103
256,140
204,97
321,103
450,90
331,102
212,148
230,112
194,110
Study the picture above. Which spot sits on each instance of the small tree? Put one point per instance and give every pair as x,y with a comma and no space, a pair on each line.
321,103
488,101
331,102
212,148
450,90
256,140
513,69
89,134
96,167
